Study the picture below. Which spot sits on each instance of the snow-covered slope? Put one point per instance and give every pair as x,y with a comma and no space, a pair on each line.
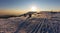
38,23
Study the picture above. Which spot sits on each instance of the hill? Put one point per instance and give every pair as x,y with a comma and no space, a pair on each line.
42,22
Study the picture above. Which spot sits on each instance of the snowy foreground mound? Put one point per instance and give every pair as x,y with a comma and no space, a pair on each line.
50,24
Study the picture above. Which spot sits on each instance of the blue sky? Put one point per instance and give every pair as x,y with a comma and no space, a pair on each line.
25,4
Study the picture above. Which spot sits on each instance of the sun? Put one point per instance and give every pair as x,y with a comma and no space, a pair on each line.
33,8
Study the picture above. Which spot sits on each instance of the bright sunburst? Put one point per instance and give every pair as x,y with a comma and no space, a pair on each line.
33,8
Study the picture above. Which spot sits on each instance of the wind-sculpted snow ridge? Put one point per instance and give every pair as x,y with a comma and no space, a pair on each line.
31,25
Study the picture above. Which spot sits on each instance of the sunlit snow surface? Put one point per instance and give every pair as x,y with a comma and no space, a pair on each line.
48,24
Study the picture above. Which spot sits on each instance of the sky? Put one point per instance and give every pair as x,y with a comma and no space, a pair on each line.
20,5
25,4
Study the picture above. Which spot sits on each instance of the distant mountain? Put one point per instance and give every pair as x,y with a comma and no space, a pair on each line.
29,13
7,16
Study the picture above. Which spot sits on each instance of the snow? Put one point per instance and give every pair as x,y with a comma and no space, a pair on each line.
37,24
